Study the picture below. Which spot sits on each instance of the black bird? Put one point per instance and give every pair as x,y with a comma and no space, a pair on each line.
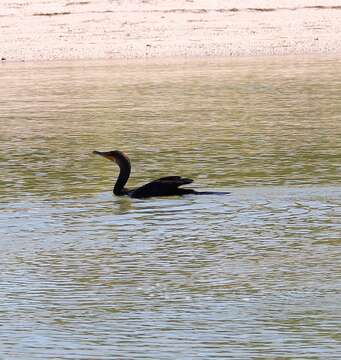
165,186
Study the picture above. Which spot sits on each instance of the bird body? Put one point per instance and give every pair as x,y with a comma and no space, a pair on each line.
165,186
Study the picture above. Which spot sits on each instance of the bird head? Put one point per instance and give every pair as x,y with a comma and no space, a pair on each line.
114,155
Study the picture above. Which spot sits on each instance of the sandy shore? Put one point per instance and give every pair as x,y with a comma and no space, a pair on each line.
106,29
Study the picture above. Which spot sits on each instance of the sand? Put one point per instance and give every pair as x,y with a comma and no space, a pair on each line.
108,29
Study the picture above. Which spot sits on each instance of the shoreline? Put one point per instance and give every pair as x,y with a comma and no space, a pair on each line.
160,29
174,60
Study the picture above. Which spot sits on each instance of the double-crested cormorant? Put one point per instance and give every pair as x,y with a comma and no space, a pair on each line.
165,186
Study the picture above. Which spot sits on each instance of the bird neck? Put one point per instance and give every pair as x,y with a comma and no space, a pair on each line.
123,177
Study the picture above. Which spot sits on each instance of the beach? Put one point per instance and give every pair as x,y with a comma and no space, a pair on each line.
101,29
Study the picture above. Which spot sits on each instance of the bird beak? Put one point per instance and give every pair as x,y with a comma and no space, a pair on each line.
107,154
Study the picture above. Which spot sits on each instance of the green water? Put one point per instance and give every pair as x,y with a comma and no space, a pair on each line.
254,274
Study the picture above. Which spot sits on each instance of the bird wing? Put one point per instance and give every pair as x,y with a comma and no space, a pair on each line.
162,187
176,180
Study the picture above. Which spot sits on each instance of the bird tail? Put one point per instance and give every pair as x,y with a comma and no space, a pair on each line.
211,193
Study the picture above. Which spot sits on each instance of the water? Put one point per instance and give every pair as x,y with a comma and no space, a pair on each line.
254,274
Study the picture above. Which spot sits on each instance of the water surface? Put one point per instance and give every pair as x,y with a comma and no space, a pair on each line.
254,274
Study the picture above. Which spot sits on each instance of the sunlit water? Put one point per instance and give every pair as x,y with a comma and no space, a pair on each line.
254,274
